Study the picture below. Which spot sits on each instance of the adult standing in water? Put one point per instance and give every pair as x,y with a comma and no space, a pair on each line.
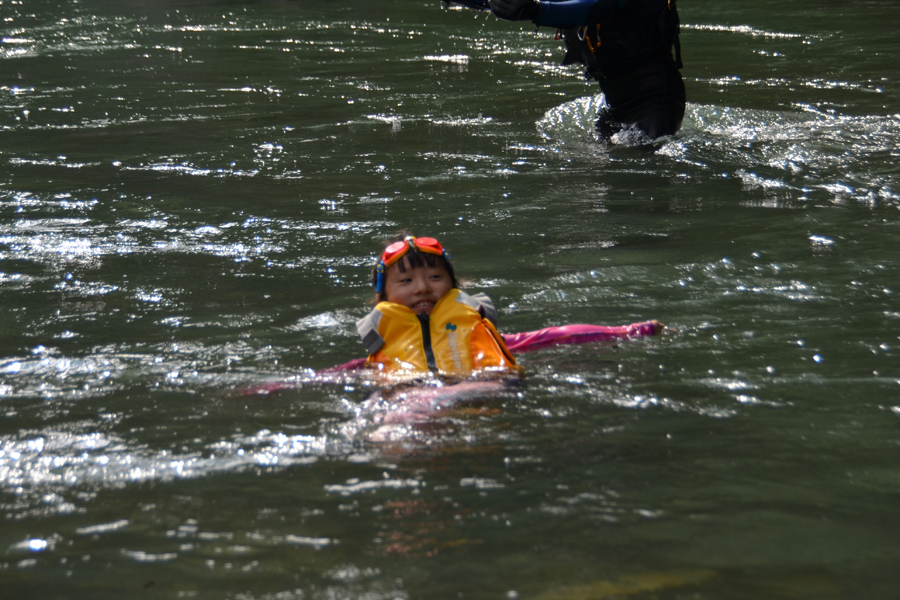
627,46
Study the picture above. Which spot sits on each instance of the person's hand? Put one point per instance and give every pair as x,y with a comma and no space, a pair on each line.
514,10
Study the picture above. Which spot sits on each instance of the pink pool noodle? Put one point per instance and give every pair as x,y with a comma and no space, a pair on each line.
576,334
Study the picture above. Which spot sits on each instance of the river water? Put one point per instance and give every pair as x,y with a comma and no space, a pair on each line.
191,197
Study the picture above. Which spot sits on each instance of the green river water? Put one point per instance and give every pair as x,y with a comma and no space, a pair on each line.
192,194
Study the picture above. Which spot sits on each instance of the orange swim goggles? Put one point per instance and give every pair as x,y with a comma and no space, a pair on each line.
395,252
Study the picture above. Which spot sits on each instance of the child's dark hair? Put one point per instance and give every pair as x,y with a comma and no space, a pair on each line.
416,260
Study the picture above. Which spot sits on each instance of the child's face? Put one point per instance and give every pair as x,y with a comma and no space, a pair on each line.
417,289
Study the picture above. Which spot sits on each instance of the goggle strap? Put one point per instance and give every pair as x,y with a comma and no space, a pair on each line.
379,278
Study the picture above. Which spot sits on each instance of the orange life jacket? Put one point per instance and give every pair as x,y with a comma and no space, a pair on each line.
454,338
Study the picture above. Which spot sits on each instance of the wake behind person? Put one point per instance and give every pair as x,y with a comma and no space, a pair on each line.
629,46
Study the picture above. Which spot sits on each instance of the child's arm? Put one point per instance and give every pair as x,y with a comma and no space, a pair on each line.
577,334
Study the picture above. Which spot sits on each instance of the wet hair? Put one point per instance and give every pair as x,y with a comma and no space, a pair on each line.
415,259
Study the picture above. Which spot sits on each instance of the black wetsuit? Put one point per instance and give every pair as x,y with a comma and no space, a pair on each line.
627,46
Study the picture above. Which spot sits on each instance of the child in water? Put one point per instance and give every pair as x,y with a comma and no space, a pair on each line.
423,322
